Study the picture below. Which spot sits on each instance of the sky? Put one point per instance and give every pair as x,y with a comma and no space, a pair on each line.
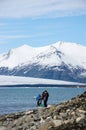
41,22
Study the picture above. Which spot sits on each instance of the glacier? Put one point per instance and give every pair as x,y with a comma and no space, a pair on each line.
18,80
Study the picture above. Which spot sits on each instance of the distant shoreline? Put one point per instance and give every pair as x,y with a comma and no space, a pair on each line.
43,85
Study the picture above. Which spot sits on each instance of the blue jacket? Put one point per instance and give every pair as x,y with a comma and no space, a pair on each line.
38,97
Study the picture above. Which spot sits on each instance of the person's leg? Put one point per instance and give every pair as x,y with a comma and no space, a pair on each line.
45,103
38,103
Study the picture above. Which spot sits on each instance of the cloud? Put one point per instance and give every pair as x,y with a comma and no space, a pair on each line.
41,8
13,36
22,36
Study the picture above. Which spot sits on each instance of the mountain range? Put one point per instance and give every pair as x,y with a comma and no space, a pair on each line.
61,60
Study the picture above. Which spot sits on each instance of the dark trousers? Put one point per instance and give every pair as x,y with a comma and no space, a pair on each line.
45,103
39,102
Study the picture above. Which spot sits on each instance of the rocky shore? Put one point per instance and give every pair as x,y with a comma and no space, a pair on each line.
69,115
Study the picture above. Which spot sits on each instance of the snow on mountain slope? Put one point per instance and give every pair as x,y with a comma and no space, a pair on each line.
15,80
16,56
74,54
71,54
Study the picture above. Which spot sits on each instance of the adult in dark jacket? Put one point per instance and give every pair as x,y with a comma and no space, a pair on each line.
45,96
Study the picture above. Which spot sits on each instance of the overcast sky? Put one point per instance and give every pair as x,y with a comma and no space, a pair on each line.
41,22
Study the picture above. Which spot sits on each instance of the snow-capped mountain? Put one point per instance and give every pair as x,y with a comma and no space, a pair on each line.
61,60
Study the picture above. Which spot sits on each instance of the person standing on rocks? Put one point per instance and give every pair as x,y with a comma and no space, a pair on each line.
45,96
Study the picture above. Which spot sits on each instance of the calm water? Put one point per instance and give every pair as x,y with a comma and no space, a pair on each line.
20,99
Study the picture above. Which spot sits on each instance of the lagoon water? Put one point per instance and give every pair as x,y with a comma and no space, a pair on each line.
17,99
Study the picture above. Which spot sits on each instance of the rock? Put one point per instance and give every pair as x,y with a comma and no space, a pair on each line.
66,122
2,128
63,115
82,112
57,122
80,119
47,126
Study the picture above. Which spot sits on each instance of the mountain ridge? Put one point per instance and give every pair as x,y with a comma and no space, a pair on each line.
61,60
